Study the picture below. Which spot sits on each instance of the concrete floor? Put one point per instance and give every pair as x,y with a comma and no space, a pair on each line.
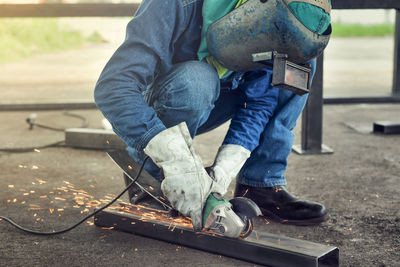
359,183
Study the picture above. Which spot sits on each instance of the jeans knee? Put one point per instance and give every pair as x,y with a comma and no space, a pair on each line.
191,86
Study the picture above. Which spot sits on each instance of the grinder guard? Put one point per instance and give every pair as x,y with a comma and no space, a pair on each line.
260,26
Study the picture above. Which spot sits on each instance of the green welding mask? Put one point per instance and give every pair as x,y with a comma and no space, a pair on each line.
260,26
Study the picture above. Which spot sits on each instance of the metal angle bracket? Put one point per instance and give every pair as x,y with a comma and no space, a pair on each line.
259,247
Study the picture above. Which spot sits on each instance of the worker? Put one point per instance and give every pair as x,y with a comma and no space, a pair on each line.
162,87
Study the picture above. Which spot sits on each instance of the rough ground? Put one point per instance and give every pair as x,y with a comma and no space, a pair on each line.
359,183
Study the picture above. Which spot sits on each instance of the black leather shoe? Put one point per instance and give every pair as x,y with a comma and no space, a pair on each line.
279,205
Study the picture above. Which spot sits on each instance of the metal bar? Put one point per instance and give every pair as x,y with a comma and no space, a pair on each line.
93,139
259,247
387,127
365,4
311,127
362,100
56,105
68,10
396,57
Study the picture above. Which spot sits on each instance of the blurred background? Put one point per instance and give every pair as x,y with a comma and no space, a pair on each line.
49,59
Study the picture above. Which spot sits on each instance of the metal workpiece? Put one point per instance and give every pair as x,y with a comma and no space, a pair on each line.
387,127
259,247
93,139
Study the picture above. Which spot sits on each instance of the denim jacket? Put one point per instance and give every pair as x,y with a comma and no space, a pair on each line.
163,33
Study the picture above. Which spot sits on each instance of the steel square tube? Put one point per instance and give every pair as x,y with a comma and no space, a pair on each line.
260,247
387,127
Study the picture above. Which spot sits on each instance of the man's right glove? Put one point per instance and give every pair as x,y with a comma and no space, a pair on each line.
186,184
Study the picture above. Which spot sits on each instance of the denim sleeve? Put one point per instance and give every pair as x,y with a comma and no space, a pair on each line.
147,50
259,102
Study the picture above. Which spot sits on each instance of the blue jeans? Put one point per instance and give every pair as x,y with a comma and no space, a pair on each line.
191,92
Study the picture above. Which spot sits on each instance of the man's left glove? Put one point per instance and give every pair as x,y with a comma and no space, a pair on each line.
186,184
228,162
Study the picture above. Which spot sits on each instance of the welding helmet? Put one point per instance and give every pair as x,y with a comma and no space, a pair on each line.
260,26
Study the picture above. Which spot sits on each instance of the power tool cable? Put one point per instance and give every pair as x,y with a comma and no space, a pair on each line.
84,219
31,120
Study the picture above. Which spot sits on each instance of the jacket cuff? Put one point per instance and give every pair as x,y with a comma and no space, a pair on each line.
145,139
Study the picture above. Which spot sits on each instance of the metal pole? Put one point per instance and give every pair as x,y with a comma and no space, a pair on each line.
311,127
396,59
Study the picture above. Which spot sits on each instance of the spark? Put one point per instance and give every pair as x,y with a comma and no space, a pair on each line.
266,221
44,196
60,209
8,200
108,228
40,181
51,210
130,167
136,249
36,150
32,192
108,142
151,188
60,198
23,202
14,200
247,190
26,194
34,167
10,186
85,210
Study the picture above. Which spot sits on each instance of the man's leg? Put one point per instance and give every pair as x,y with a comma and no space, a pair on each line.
187,93
262,177
268,162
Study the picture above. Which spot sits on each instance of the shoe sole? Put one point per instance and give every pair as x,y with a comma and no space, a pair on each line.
308,222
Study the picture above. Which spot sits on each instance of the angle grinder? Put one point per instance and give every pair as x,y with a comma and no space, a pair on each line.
231,218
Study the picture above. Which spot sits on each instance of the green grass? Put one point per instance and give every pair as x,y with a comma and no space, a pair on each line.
358,30
22,38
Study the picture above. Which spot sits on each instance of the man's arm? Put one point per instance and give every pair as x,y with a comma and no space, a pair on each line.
146,51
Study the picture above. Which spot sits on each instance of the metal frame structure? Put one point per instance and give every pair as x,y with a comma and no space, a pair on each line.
312,116
311,128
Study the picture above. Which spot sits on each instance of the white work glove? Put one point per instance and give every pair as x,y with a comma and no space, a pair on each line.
186,183
228,162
